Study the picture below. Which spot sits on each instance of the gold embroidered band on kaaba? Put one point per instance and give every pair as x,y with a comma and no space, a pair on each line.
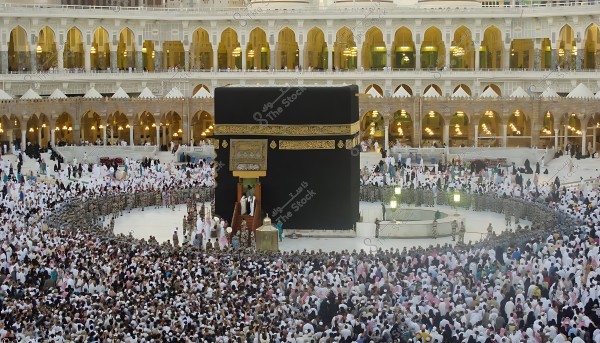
286,130
307,145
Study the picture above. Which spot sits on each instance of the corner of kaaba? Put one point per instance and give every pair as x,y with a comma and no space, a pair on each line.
292,152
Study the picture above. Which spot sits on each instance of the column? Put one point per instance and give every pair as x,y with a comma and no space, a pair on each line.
23,139
301,56
330,58
566,137
113,59
61,60
131,141
556,139
477,46
476,131
215,57
594,139
447,134
76,134
244,59
271,56
52,136
583,141
39,135
186,56
386,136
158,136
417,56
88,59
4,59
554,59
447,47
104,135
158,66
537,58
164,134
33,56
139,61
504,138
388,54
579,58
506,57
359,57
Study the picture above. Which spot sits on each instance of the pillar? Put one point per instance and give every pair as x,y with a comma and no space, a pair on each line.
139,61
113,58
61,60
215,57
594,139
330,58
477,46
579,58
33,56
4,59
104,135
537,59
158,136
158,66
566,137
88,59
447,134
476,131
554,59
52,136
504,138
418,56
39,136
301,56
506,57
583,140
447,51
388,55
131,142
271,57
386,136
164,134
556,139
359,56
186,56
76,134
23,139
244,57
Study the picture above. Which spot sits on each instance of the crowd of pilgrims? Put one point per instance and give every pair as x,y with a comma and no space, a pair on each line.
59,284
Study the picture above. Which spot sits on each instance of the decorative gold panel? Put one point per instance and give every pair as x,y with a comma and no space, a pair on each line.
287,130
306,145
248,155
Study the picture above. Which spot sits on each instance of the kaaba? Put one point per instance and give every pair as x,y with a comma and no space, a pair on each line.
299,144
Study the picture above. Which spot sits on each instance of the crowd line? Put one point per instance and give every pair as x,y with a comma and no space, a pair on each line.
62,284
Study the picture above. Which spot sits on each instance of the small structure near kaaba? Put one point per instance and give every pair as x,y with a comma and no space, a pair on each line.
267,237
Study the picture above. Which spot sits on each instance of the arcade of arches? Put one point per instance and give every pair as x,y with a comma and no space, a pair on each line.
40,51
399,127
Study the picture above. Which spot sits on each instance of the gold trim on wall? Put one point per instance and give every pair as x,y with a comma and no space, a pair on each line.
307,145
250,174
287,130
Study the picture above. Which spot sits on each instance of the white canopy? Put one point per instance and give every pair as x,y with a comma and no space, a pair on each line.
581,91
202,93
374,93
460,93
92,94
432,93
519,93
174,94
146,94
550,93
4,95
30,95
57,94
120,94
489,93
401,92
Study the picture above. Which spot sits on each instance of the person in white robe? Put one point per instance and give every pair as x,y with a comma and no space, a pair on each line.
251,201
244,204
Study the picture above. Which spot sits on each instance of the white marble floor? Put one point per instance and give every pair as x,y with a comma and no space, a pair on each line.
162,222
